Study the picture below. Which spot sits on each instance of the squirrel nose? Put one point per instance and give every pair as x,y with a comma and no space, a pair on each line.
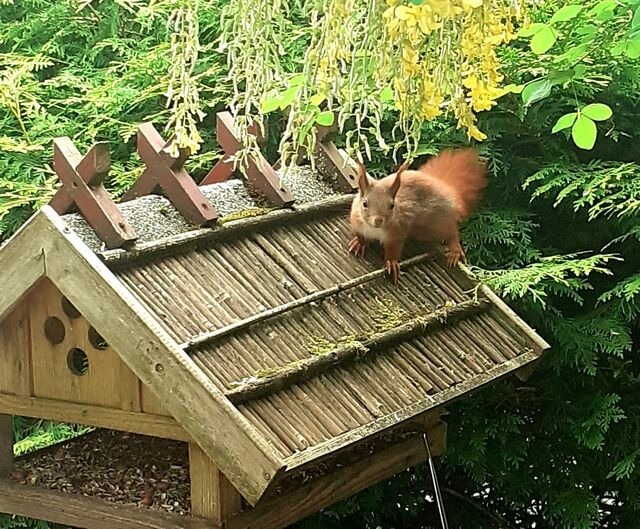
377,221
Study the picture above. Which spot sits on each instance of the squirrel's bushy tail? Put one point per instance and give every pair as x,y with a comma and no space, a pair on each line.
463,172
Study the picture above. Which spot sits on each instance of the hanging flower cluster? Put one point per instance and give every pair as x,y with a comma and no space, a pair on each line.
447,50
421,57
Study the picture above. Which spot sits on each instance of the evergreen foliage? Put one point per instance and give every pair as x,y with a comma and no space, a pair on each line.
558,236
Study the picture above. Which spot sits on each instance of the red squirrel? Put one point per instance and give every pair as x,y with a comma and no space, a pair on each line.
428,205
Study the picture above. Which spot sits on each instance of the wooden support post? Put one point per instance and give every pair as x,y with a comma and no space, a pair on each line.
6,445
169,174
334,164
82,184
260,173
212,496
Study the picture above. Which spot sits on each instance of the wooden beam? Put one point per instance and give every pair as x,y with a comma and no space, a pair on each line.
169,174
22,260
410,412
6,445
225,435
329,206
212,496
302,370
335,167
281,511
259,171
91,513
82,183
217,334
126,421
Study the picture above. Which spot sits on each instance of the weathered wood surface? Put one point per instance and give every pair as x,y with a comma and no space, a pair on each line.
126,421
108,381
282,511
82,184
409,412
22,260
309,367
6,445
212,496
259,171
16,350
304,300
242,454
91,513
163,171
230,229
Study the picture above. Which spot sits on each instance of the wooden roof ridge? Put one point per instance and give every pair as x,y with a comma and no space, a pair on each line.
45,247
118,258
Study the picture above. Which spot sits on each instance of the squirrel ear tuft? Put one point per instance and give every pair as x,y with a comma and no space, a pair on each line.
398,179
363,181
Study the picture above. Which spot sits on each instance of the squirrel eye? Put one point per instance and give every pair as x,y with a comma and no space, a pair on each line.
365,204
391,206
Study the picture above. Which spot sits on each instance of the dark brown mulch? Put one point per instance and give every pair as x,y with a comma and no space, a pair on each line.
120,467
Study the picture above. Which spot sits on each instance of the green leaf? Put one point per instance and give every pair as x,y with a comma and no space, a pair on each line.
316,100
566,13
535,91
288,96
531,30
543,40
297,80
573,54
564,122
386,94
633,49
605,5
618,49
635,21
584,133
269,103
597,111
325,118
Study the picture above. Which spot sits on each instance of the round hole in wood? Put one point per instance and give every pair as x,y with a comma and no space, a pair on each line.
96,340
54,330
78,362
69,309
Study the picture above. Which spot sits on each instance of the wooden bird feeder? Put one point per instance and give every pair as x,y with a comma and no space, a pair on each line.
280,373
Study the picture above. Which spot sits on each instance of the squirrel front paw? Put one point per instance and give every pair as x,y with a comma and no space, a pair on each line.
357,246
393,269
454,256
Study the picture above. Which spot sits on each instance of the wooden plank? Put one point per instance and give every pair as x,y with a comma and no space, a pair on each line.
22,260
126,421
336,167
91,513
410,412
149,403
6,445
225,435
93,201
259,171
15,350
212,496
282,511
169,174
108,381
